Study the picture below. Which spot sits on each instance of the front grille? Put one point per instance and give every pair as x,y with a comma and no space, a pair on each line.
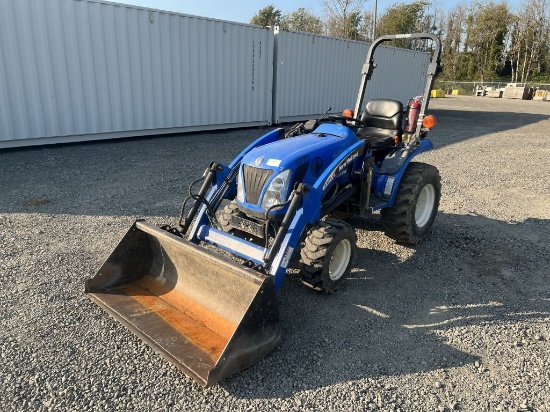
254,182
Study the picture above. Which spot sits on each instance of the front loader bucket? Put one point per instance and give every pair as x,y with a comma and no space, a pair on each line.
205,313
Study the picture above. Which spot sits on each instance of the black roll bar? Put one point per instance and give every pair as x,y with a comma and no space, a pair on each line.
433,69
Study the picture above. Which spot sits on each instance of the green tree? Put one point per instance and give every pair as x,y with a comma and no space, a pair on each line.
455,27
404,18
343,18
268,16
487,27
529,40
348,28
302,20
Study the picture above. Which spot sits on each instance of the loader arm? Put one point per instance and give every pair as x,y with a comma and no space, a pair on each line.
309,211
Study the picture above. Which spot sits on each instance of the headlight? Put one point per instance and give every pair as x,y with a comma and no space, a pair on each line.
277,190
240,187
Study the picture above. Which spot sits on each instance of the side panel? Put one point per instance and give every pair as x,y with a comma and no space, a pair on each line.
315,72
82,70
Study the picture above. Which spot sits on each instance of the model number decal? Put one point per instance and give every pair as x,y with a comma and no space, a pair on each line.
287,256
341,168
302,160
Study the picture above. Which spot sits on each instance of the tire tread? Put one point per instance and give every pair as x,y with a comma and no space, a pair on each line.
315,249
397,221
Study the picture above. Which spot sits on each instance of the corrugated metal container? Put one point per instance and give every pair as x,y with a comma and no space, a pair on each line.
75,70
314,72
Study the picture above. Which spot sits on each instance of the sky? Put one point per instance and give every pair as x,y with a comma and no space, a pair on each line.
243,10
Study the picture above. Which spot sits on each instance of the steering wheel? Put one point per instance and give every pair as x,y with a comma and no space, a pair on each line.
341,118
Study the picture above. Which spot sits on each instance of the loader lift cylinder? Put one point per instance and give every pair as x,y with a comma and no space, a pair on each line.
184,223
287,220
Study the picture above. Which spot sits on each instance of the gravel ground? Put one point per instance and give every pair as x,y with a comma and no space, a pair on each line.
460,322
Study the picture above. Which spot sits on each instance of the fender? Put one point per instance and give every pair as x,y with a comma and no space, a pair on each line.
309,212
392,169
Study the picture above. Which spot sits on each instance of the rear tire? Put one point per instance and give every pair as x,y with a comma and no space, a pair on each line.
328,255
411,217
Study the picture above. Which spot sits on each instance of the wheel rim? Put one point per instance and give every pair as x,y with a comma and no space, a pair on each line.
424,205
339,260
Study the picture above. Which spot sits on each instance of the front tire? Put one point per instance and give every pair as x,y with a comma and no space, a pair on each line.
328,255
411,217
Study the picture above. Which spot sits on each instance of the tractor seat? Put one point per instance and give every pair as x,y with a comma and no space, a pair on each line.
384,119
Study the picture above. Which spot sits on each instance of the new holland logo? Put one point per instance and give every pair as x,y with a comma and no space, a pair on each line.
258,161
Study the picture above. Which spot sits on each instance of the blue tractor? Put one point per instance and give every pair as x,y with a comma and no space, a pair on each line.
203,293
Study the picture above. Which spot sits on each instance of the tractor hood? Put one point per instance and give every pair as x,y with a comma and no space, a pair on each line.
278,166
325,142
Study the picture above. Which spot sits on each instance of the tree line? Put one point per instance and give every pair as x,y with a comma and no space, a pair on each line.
482,41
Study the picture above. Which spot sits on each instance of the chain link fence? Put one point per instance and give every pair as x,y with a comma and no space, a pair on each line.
469,88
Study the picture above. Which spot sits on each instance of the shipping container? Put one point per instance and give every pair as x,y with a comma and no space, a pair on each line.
315,72
73,70
77,70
